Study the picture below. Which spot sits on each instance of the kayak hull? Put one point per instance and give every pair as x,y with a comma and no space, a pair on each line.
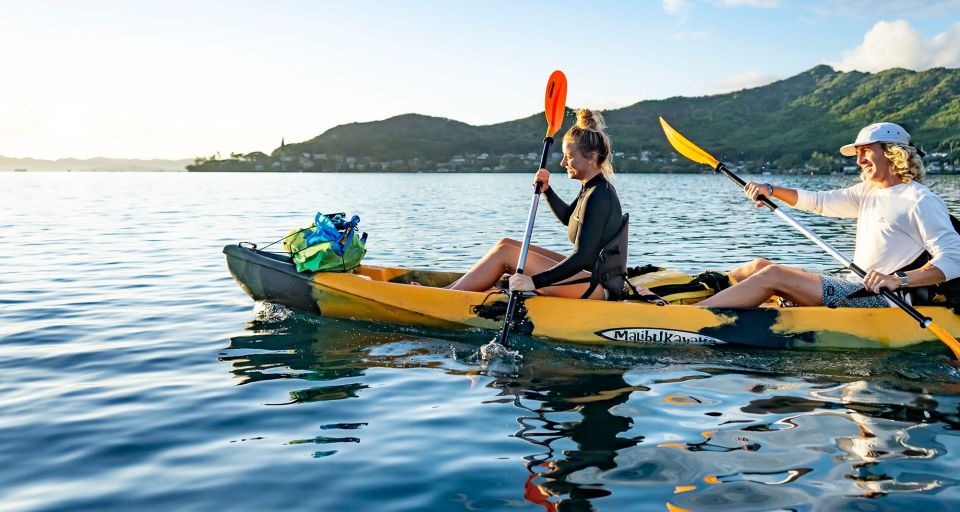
383,294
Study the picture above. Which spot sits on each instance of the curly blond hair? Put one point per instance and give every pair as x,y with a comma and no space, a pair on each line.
589,135
906,161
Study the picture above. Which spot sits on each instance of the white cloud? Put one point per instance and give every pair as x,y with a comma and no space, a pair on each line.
766,4
674,6
746,80
946,48
891,44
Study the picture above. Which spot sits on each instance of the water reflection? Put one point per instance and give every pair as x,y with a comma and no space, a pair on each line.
877,430
570,419
309,351
693,428
891,426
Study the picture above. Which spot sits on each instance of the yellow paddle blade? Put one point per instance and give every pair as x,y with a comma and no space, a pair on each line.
687,148
946,338
555,101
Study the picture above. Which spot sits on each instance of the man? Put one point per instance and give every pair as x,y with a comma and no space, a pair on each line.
904,234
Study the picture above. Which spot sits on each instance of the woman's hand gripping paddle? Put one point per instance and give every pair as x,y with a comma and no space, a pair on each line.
555,104
691,151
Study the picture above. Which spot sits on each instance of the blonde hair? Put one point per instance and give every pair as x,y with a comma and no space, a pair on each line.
906,162
588,136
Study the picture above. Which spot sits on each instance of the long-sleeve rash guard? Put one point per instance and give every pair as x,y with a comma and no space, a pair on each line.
592,220
894,225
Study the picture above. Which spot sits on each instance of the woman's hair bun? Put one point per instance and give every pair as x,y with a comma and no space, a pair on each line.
589,120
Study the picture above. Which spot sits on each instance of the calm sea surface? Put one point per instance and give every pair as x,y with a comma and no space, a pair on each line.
135,374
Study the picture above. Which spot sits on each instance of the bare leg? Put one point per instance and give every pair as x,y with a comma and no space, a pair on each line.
573,291
494,255
802,288
502,258
740,273
488,270
556,256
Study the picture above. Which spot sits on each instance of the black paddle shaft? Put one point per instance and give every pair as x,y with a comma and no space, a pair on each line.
515,296
736,179
887,294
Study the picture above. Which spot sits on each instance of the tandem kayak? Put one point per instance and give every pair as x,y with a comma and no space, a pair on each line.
383,294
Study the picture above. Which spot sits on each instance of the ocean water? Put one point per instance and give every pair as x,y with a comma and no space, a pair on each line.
135,374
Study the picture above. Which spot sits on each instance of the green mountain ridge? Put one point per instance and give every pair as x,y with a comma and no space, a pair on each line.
785,124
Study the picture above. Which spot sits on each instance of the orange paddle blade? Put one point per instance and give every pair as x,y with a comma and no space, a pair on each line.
687,148
555,101
945,337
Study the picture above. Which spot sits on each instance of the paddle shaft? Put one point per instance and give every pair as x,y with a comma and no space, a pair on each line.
514,296
887,294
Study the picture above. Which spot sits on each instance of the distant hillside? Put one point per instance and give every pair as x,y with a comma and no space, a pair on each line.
786,124
92,164
815,111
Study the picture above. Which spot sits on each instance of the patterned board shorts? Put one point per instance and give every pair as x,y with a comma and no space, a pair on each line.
835,291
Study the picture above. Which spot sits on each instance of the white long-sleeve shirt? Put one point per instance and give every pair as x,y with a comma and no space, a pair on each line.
894,225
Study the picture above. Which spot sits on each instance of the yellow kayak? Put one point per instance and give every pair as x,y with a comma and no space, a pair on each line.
383,294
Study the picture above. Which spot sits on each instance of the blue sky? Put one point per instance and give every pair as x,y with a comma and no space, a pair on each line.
176,79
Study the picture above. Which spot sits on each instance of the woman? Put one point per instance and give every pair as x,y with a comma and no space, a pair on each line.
904,235
593,220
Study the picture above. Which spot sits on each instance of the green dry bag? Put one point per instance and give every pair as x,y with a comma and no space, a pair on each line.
330,244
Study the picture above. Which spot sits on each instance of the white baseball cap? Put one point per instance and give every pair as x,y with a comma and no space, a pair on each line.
877,132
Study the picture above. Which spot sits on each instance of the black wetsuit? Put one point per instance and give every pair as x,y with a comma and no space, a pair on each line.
592,220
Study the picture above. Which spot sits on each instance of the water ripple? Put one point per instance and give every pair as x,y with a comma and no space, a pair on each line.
134,374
